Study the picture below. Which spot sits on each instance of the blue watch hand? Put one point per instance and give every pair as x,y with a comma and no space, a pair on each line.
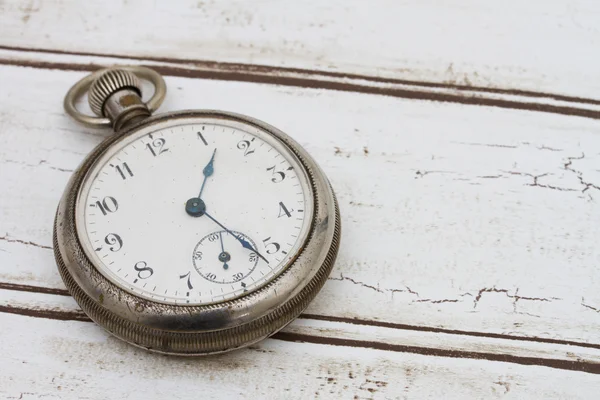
207,171
244,242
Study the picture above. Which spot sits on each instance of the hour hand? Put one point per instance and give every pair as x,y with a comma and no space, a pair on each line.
195,206
207,171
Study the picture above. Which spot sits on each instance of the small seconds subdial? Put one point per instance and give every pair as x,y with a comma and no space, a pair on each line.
220,258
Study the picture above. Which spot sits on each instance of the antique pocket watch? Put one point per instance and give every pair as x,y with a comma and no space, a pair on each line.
190,232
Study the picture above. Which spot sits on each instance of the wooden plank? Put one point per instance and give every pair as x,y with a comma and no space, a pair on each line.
494,45
313,329
46,358
504,98
455,217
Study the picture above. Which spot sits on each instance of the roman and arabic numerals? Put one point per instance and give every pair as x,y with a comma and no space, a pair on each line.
124,170
270,246
238,276
144,271
107,205
277,176
245,145
157,146
283,210
114,241
189,281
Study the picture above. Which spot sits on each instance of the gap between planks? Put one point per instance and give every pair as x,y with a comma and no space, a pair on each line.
355,321
334,332
311,79
343,82
569,365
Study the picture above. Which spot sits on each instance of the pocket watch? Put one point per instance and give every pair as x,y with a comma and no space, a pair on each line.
190,232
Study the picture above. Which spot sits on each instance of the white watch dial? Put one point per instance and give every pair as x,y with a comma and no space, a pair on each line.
194,212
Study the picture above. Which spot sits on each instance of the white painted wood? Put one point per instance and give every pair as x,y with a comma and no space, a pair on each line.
539,45
43,305
531,101
456,217
76,360
442,226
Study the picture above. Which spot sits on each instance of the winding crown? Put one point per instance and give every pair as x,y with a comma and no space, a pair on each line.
109,82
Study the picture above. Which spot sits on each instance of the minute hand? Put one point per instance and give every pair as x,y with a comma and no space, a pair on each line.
245,243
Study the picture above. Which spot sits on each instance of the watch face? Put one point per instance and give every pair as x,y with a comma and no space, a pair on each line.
194,210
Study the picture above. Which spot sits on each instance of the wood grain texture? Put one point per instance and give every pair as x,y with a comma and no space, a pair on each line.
468,181
77,360
538,45
310,79
456,217
353,334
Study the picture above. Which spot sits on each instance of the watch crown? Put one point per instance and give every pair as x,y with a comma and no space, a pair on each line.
109,82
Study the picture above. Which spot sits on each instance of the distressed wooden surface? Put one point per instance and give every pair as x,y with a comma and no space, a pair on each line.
77,360
468,265
538,45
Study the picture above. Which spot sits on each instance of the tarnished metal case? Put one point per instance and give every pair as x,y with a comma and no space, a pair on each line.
198,330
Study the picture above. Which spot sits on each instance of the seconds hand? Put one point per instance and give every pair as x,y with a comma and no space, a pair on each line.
224,256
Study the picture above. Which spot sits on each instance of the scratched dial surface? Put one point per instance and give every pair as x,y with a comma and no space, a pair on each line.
194,212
